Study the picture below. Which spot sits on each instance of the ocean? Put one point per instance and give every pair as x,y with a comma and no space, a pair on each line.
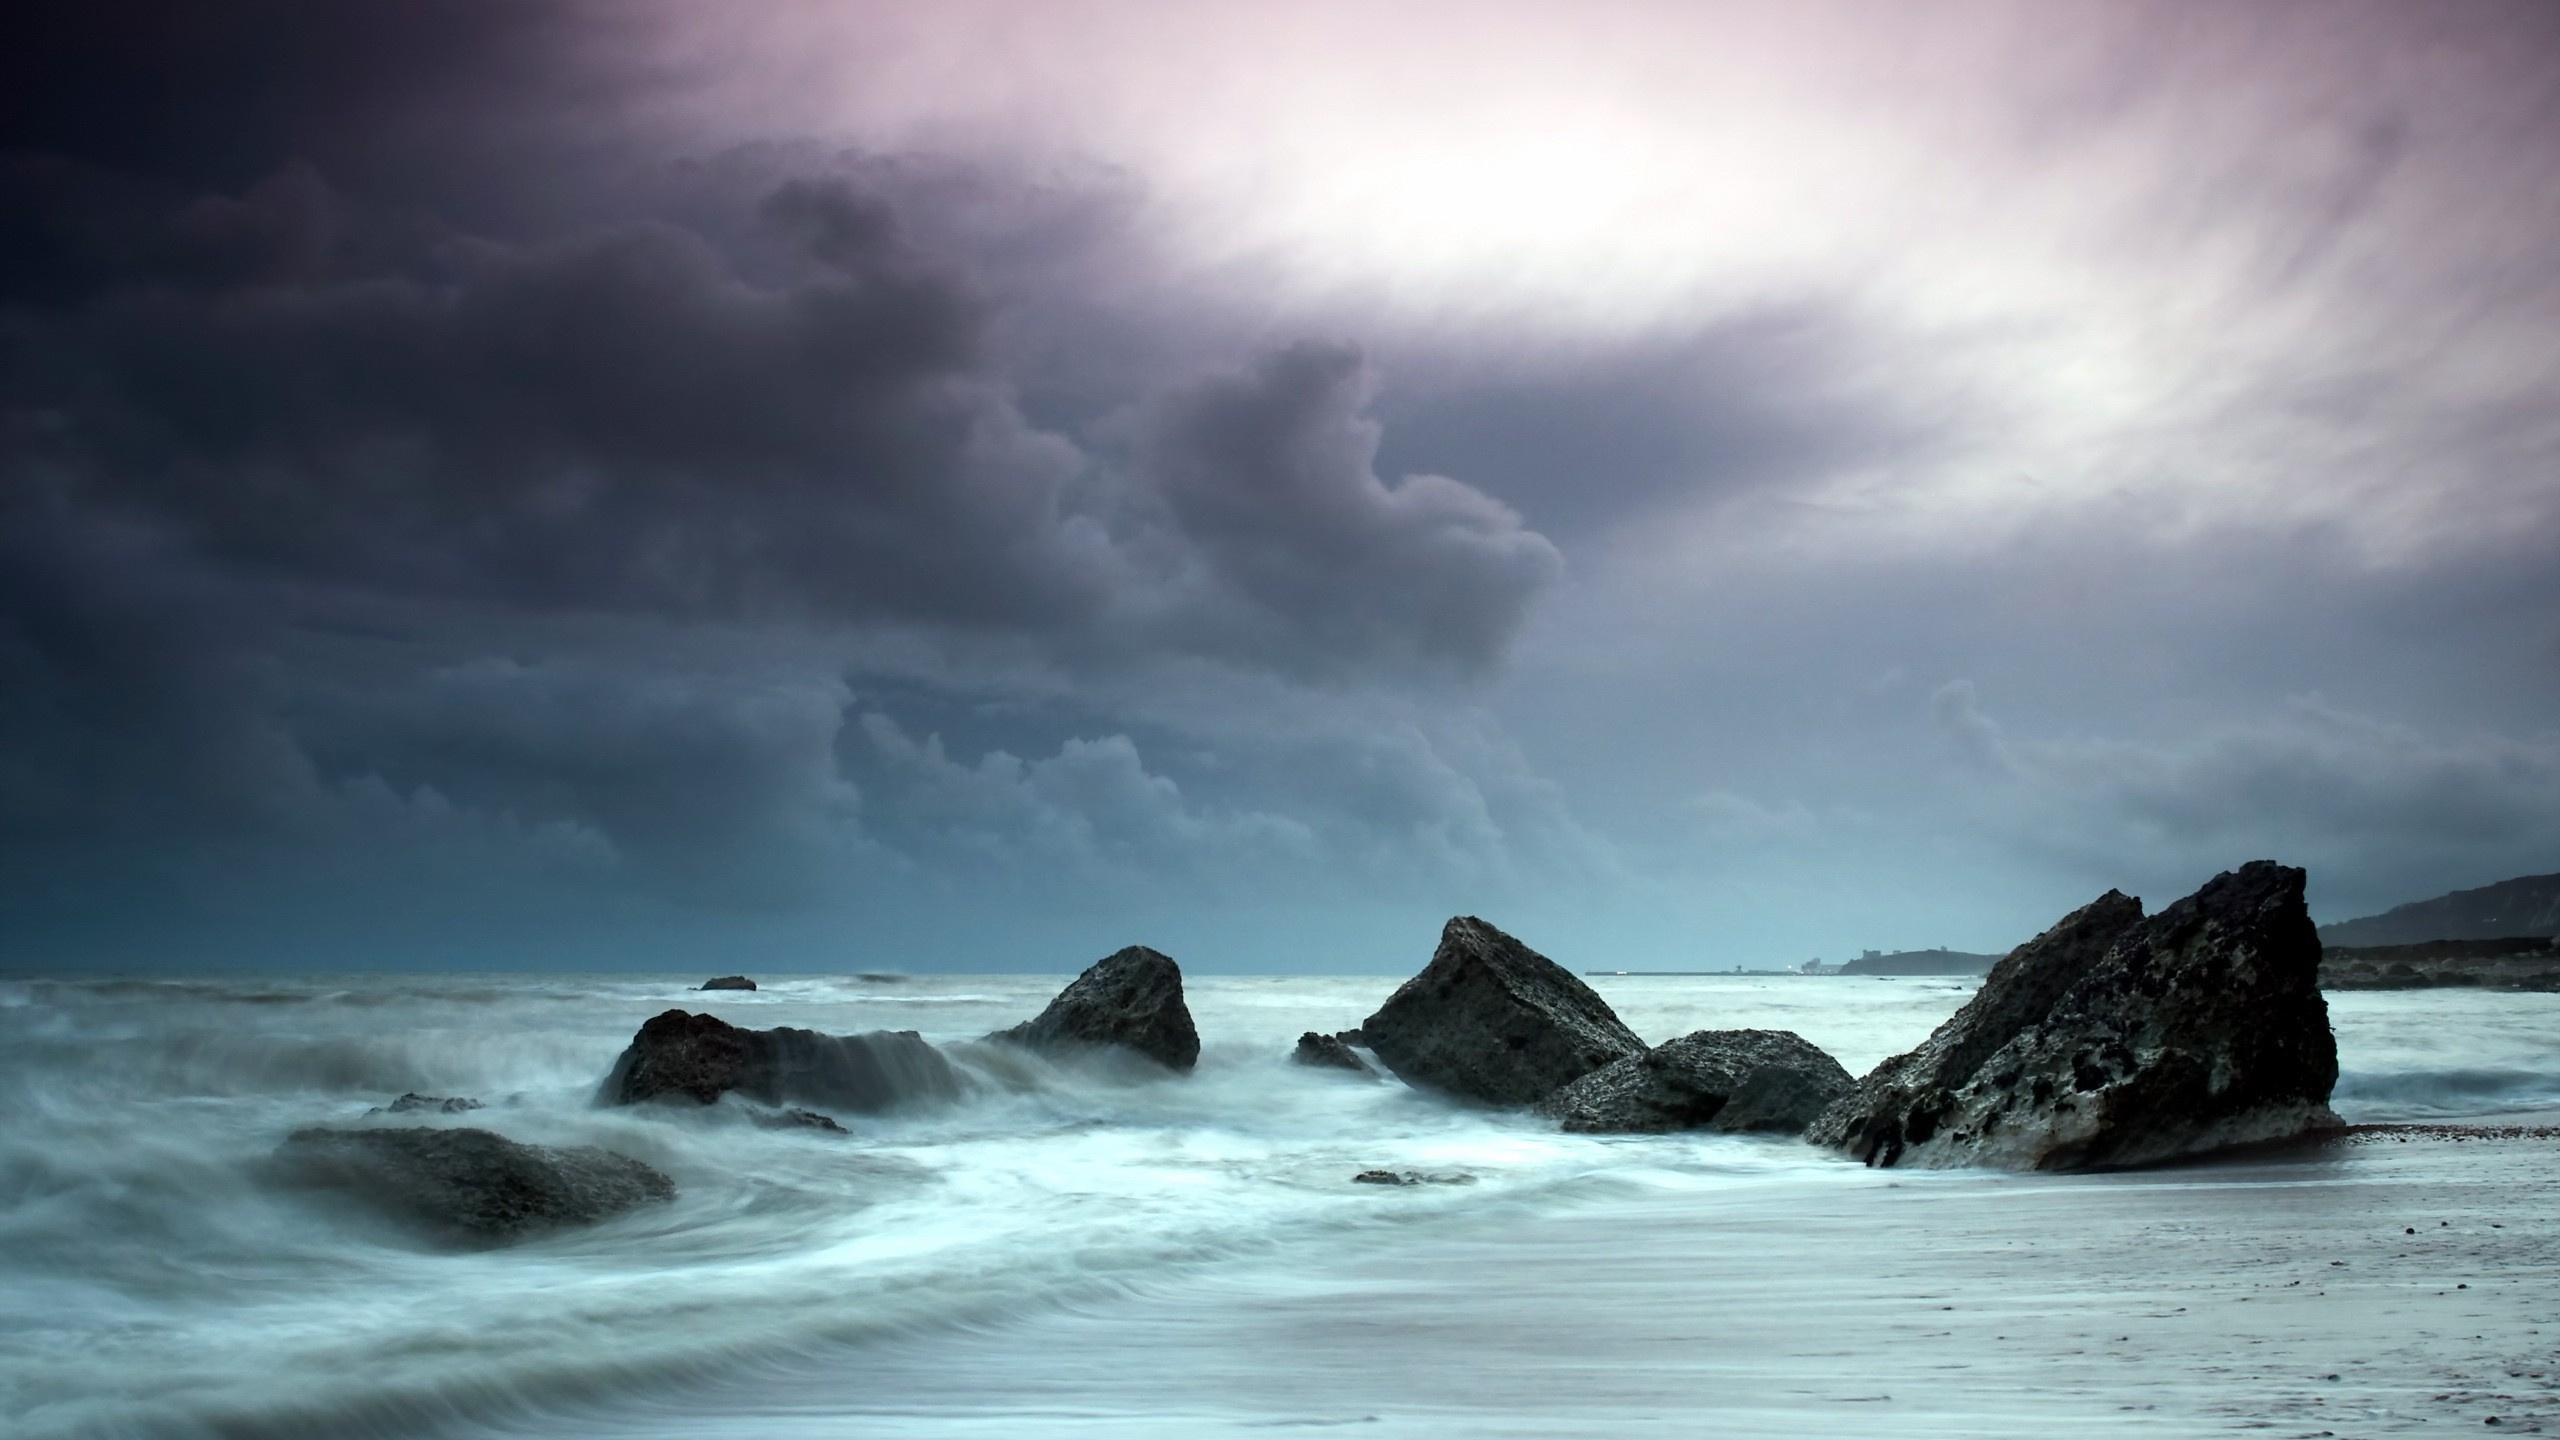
1088,1249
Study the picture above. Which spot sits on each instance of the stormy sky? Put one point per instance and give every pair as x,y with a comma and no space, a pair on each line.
969,485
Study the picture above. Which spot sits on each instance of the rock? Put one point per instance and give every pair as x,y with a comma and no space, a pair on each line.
800,1120
1132,999
1490,1019
2528,962
2114,1040
471,1184
1328,1052
1408,1177
2019,991
702,1057
435,1104
727,982
1738,1080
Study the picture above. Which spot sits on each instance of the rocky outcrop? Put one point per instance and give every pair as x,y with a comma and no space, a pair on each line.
1875,1120
2527,962
1328,1052
414,1103
702,1057
471,1185
1131,999
1490,1019
1735,1080
727,982
2115,1040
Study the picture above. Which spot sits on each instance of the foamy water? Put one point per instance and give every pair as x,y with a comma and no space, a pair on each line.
152,1281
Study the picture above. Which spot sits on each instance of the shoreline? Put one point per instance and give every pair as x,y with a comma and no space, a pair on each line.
2349,1288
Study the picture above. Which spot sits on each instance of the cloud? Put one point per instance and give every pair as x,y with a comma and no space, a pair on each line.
2380,811
1971,736
1271,475
1090,811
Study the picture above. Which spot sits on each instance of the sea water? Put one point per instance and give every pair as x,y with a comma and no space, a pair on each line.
154,1281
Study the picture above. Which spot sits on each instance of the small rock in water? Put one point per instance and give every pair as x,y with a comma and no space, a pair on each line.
471,1184
1490,1019
1408,1177
727,982
437,1104
1327,1052
1131,999
801,1120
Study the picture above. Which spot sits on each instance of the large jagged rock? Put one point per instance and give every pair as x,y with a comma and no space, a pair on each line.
472,1185
1874,1121
1132,999
1490,1019
2115,1040
1736,1080
702,1057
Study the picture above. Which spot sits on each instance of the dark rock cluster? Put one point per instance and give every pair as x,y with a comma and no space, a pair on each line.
678,1054
1131,999
2522,962
414,1103
2116,1040
727,982
470,1185
1736,1080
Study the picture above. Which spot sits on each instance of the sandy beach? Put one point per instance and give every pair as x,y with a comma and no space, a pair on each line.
2388,1284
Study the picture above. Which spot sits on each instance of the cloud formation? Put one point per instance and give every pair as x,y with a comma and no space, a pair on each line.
582,465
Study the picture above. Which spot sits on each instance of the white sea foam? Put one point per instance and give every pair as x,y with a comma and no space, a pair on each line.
151,1283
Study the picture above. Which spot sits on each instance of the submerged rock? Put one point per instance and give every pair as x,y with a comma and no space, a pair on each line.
800,1120
413,1102
1491,1019
2115,1040
727,982
471,1184
1408,1177
1740,1080
1131,999
702,1057
1328,1052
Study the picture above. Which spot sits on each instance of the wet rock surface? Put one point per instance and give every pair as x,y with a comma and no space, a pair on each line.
1131,999
2115,1040
1490,1019
469,1184
1329,1052
727,982
415,1103
702,1057
1734,1080
800,1120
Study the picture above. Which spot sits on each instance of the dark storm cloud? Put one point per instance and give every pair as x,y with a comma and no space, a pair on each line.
612,418
327,426
1272,475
